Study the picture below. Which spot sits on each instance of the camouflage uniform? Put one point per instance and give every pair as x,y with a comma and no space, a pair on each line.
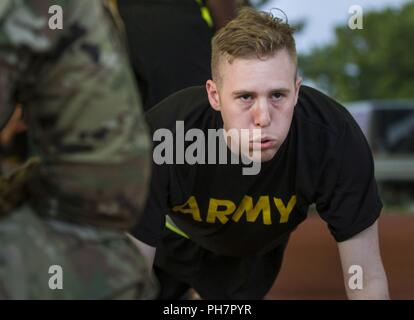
73,203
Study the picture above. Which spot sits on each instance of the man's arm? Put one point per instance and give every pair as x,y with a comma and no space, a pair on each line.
147,251
222,12
363,250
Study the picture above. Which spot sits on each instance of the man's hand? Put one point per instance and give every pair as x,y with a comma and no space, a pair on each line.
363,251
14,126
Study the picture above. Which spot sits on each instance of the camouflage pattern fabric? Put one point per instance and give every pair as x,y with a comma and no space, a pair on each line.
12,185
95,264
82,109
85,125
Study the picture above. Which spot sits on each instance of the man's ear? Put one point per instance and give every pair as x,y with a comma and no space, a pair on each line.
213,95
298,83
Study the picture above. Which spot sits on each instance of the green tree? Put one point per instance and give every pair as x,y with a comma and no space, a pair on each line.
376,62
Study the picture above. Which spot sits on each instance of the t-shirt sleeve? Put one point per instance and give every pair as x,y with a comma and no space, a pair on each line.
347,197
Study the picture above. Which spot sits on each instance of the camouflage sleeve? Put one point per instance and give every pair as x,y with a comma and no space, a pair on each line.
6,107
82,108
8,62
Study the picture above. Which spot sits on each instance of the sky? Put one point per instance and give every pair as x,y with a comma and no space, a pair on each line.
322,16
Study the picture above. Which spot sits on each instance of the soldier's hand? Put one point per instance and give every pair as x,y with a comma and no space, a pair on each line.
14,126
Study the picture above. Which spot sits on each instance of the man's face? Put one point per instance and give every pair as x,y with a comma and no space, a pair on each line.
257,94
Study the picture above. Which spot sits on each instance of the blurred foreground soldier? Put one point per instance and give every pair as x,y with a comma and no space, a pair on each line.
65,212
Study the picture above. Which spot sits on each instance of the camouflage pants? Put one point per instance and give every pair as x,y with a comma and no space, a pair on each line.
55,260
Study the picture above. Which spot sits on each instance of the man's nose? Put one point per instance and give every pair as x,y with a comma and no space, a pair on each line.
261,113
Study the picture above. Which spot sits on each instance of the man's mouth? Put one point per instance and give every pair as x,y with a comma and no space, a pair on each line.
263,143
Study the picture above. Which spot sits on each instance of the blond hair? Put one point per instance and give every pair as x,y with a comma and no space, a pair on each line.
251,34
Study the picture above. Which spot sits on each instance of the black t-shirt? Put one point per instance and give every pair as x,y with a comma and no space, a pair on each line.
325,160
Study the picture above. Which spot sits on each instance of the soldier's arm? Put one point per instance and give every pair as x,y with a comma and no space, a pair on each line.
363,251
12,62
222,11
87,118
7,70
147,251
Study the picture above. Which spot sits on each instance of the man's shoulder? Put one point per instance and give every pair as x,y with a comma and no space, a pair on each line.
319,110
188,105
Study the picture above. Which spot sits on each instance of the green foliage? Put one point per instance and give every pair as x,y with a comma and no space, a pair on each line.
376,62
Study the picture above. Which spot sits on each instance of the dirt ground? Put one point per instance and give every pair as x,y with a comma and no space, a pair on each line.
312,269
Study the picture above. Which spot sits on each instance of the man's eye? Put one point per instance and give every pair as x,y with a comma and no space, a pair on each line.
277,96
245,97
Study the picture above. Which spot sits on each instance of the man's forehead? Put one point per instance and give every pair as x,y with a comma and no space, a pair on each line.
277,63
251,73
282,55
